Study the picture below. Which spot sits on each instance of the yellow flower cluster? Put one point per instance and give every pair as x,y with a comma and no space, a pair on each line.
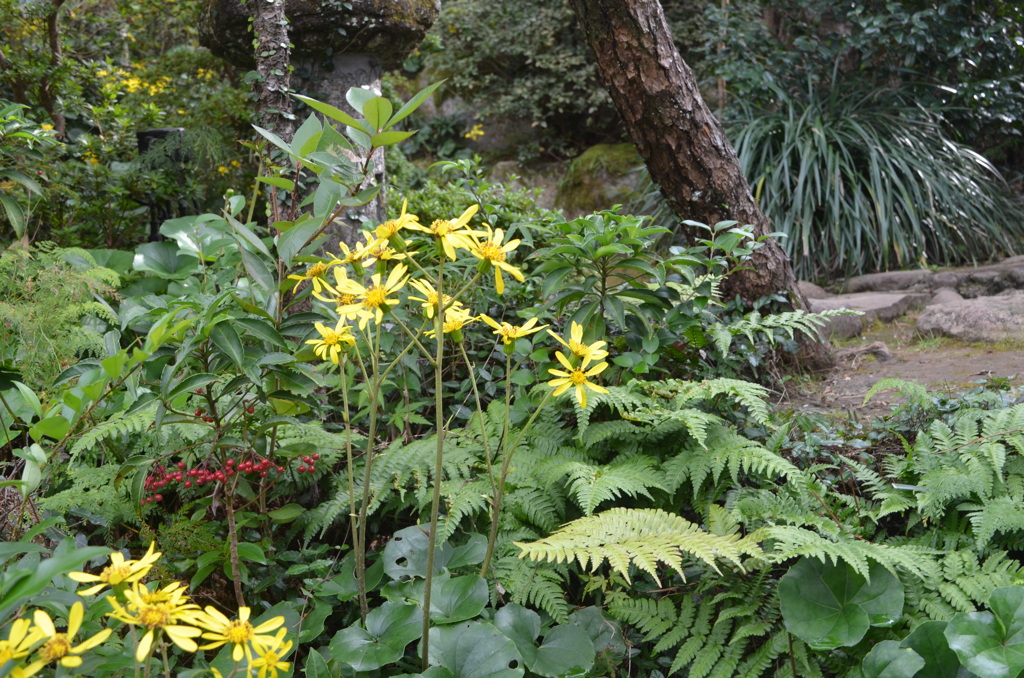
161,614
120,78
357,303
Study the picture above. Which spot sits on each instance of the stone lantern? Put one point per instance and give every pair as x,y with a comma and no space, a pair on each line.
338,44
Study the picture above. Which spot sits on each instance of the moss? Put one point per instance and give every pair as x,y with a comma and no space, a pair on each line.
594,180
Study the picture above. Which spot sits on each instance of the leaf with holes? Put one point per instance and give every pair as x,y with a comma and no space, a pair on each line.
475,650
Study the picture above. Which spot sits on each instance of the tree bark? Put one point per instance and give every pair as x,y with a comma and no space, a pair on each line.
682,143
273,66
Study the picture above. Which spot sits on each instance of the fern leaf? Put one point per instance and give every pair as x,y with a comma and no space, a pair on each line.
118,425
591,484
644,538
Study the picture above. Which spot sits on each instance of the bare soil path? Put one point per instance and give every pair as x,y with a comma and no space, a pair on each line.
943,365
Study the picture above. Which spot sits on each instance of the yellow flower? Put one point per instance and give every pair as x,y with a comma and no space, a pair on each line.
429,298
372,301
222,169
102,74
20,639
314,273
329,345
576,378
57,646
452,233
587,352
508,332
475,133
120,571
454,320
238,632
493,251
176,616
269,655
393,226
46,126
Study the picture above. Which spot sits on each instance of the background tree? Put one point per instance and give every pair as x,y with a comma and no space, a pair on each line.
683,145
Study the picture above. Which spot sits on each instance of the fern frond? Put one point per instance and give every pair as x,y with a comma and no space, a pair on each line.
643,538
118,425
534,585
723,449
592,484
915,392
790,542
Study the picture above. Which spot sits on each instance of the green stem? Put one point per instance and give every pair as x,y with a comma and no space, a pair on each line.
506,463
163,654
353,516
435,502
480,418
360,545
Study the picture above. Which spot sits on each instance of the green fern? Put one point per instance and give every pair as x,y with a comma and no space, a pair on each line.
643,538
534,585
915,392
723,450
788,542
117,426
592,484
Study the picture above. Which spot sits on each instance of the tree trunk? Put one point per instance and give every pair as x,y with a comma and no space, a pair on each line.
273,66
682,143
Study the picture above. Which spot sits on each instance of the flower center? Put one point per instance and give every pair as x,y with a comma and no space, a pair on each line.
388,229
375,297
153,616
331,337
491,252
55,648
239,632
346,300
441,227
316,270
116,574
578,377
582,350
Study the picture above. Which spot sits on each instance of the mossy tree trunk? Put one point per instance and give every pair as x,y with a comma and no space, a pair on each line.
273,67
682,143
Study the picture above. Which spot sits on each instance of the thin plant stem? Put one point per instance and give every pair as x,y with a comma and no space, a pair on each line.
163,654
480,418
371,435
353,516
506,463
435,502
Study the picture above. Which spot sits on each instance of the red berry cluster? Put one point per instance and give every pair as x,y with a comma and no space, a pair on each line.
310,463
163,476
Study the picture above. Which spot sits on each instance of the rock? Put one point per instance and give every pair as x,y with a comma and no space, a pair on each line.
888,281
885,306
985,319
945,295
810,290
599,178
536,176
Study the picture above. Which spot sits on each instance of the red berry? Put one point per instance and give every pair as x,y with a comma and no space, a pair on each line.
158,497
263,474
188,483
311,468
302,469
230,462
181,464
316,457
280,469
250,409
199,413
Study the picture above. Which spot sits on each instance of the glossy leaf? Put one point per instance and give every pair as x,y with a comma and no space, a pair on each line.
830,605
475,650
991,644
888,660
929,641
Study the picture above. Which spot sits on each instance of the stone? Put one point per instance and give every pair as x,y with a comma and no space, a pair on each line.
945,295
984,319
888,281
810,290
600,177
884,306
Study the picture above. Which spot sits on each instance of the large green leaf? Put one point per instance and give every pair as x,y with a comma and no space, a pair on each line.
888,660
457,599
475,650
389,629
162,259
565,648
991,644
929,641
830,605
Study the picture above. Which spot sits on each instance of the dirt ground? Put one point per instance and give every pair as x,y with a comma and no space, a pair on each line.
942,365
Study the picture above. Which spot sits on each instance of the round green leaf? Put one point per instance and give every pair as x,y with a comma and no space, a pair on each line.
566,649
929,641
889,660
522,627
457,599
357,648
991,644
829,606
395,624
475,650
